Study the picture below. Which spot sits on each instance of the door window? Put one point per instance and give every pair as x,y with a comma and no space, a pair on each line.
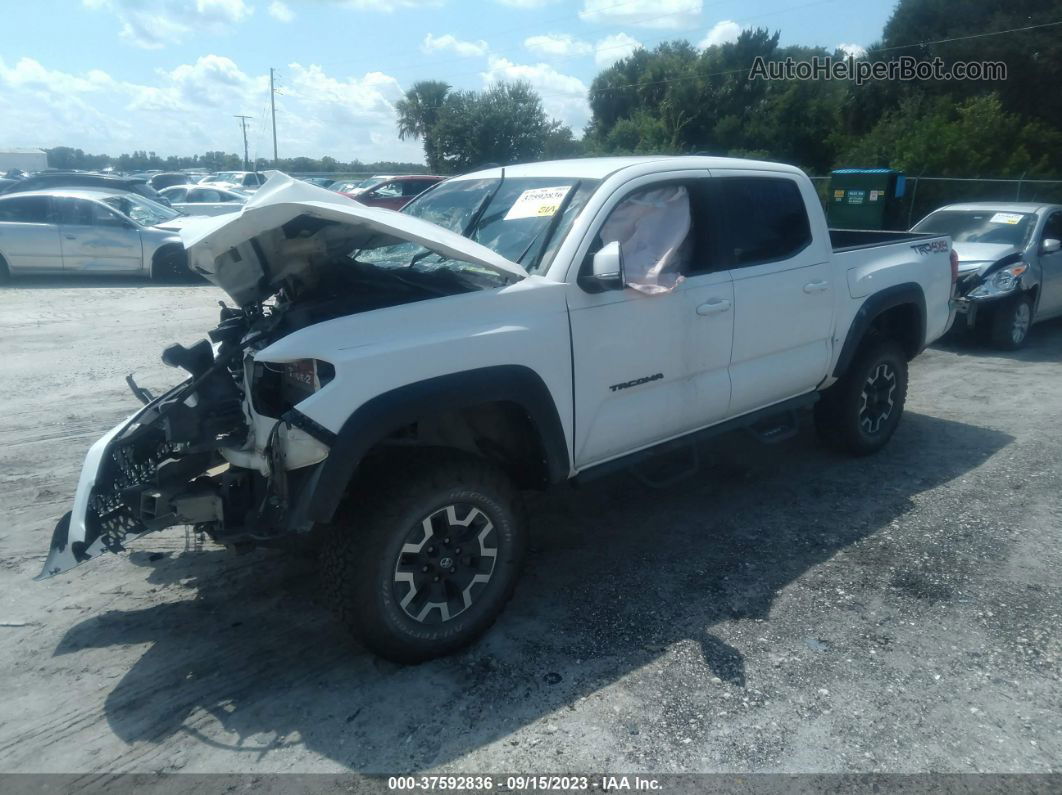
25,210
205,196
766,220
176,195
1053,227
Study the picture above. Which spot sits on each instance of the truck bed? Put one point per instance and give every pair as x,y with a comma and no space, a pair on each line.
851,239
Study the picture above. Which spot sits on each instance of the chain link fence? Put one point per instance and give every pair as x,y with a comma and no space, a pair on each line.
924,194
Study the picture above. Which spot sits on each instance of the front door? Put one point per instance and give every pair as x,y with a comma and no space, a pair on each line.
1051,269
784,290
651,367
97,239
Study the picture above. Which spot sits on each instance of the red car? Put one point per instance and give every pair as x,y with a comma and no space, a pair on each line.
394,192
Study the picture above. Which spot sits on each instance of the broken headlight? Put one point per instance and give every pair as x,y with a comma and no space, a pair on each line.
279,386
1001,282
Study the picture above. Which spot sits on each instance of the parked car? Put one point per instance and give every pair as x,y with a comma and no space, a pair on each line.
1010,266
89,230
397,384
168,179
245,180
205,199
394,193
47,180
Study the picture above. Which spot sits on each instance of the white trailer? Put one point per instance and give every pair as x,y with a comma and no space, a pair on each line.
25,159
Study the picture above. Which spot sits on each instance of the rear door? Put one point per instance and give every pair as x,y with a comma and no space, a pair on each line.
783,288
97,239
1051,268
29,236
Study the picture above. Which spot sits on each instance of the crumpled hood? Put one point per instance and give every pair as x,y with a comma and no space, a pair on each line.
248,253
980,256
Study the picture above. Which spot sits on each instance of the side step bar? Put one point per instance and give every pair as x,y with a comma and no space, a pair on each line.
769,425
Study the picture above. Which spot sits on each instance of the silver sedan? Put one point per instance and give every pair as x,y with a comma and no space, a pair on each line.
205,199
89,230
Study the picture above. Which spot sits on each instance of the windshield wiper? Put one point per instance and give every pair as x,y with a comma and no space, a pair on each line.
473,222
549,228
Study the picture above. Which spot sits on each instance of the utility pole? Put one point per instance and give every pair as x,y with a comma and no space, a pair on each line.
273,109
243,124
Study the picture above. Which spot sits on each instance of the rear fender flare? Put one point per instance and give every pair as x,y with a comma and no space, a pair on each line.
889,298
402,406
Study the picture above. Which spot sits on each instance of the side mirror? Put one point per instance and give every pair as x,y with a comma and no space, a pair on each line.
606,272
1050,246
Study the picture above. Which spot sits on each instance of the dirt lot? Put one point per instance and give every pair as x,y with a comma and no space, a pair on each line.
785,610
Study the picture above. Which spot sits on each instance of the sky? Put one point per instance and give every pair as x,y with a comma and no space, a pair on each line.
111,76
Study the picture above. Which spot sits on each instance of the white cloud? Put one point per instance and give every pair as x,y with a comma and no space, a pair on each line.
614,48
449,42
855,50
563,96
721,33
526,3
281,12
188,109
561,45
153,24
643,13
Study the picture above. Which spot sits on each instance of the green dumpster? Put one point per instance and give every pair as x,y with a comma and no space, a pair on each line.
865,198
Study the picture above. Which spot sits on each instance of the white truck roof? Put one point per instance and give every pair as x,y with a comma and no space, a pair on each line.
601,167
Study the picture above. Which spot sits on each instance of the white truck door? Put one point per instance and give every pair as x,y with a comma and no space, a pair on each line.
783,287
650,367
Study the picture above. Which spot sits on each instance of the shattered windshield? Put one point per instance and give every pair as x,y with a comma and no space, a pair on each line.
522,219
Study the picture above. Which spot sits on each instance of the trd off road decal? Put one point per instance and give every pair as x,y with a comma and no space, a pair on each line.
931,247
636,382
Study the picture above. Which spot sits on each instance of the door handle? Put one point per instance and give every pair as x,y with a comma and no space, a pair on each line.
816,287
714,307
70,237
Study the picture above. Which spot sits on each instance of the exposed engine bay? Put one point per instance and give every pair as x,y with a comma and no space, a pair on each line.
227,451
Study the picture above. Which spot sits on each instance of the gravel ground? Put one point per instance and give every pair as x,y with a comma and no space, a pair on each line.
787,609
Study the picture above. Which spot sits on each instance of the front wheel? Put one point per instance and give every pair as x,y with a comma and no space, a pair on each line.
170,266
427,563
860,412
1010,323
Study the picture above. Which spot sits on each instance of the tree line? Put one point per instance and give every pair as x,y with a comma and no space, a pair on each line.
677,98
63,157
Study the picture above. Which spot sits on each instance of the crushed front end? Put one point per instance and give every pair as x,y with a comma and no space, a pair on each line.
198,455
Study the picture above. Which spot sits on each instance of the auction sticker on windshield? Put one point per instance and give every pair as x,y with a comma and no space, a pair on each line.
537,203
1006,218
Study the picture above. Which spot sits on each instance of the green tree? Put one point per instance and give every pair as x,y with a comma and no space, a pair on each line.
418,114
503,124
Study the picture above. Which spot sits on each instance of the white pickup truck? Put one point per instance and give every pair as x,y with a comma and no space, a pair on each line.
388,383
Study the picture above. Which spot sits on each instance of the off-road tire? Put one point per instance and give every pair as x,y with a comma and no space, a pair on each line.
1010,322
170,266
859,413
359,563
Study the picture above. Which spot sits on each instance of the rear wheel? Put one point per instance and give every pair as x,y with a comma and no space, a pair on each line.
426,559
860,412
1010,323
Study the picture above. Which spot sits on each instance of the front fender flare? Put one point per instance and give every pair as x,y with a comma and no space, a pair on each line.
404,405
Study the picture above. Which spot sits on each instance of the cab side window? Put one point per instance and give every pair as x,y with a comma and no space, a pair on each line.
766,220
389,190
